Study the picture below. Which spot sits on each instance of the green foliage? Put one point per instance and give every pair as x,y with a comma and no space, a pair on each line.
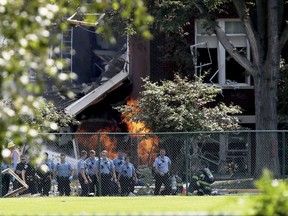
127,16
27,30
172,25
24,62
274,200
52,119
218,6
282,93
181,105
48,118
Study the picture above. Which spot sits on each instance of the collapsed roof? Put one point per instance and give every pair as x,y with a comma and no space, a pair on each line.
115,71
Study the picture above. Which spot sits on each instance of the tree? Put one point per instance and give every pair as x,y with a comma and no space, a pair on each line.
172,25
267,32
26,33
51,119
181,106
266,29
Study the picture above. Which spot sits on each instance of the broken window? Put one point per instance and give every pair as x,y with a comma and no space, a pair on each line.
208,72
223,70
235,73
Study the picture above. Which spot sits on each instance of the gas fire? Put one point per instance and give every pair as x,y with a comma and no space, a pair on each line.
141,146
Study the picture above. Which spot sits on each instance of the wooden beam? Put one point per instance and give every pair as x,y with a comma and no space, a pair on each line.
18,190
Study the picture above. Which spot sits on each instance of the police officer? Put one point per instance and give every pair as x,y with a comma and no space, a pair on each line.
45,173
82,174
161,168
91,162
28,174
118,162
64,174
105,172
127,177
18,170
5,179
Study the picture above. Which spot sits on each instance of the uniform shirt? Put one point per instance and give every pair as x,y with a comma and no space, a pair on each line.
30,171
118,162
106,166
50,165
91,163
82,165
63,169
162,164
127,170
50,168
4,165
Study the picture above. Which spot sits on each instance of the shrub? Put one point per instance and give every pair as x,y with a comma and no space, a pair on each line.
274,200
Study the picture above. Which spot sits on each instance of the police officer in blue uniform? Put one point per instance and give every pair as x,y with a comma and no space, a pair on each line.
64,174
127,177
118,162
161,166
44,183
20,166
82,174
91,162
28,174
5,179
28,177
105,172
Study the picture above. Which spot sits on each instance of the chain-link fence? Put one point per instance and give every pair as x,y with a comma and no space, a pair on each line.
230,156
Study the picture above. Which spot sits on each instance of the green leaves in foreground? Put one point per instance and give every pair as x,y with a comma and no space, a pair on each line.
30,50
274,200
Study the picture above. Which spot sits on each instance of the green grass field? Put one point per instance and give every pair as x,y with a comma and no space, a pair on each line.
164,205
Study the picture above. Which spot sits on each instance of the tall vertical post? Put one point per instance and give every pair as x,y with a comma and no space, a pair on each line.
1,189
186,161
283,154
99,165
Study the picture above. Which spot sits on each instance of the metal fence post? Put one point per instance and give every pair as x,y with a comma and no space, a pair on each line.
186,161
99,165
283,154
1,181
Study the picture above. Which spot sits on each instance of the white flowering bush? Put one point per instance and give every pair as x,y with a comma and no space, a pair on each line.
181,105
29,35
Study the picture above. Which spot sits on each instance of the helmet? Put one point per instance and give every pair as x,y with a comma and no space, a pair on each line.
10,144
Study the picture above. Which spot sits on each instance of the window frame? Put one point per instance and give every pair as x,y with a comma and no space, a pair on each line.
238,40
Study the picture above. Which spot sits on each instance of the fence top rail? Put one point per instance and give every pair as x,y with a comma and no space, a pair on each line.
169,133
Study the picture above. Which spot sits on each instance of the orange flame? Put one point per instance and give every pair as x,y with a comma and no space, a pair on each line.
147,149
146,145
108,143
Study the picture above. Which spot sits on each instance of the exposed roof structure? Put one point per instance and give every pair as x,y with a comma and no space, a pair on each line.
114,73
97,94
